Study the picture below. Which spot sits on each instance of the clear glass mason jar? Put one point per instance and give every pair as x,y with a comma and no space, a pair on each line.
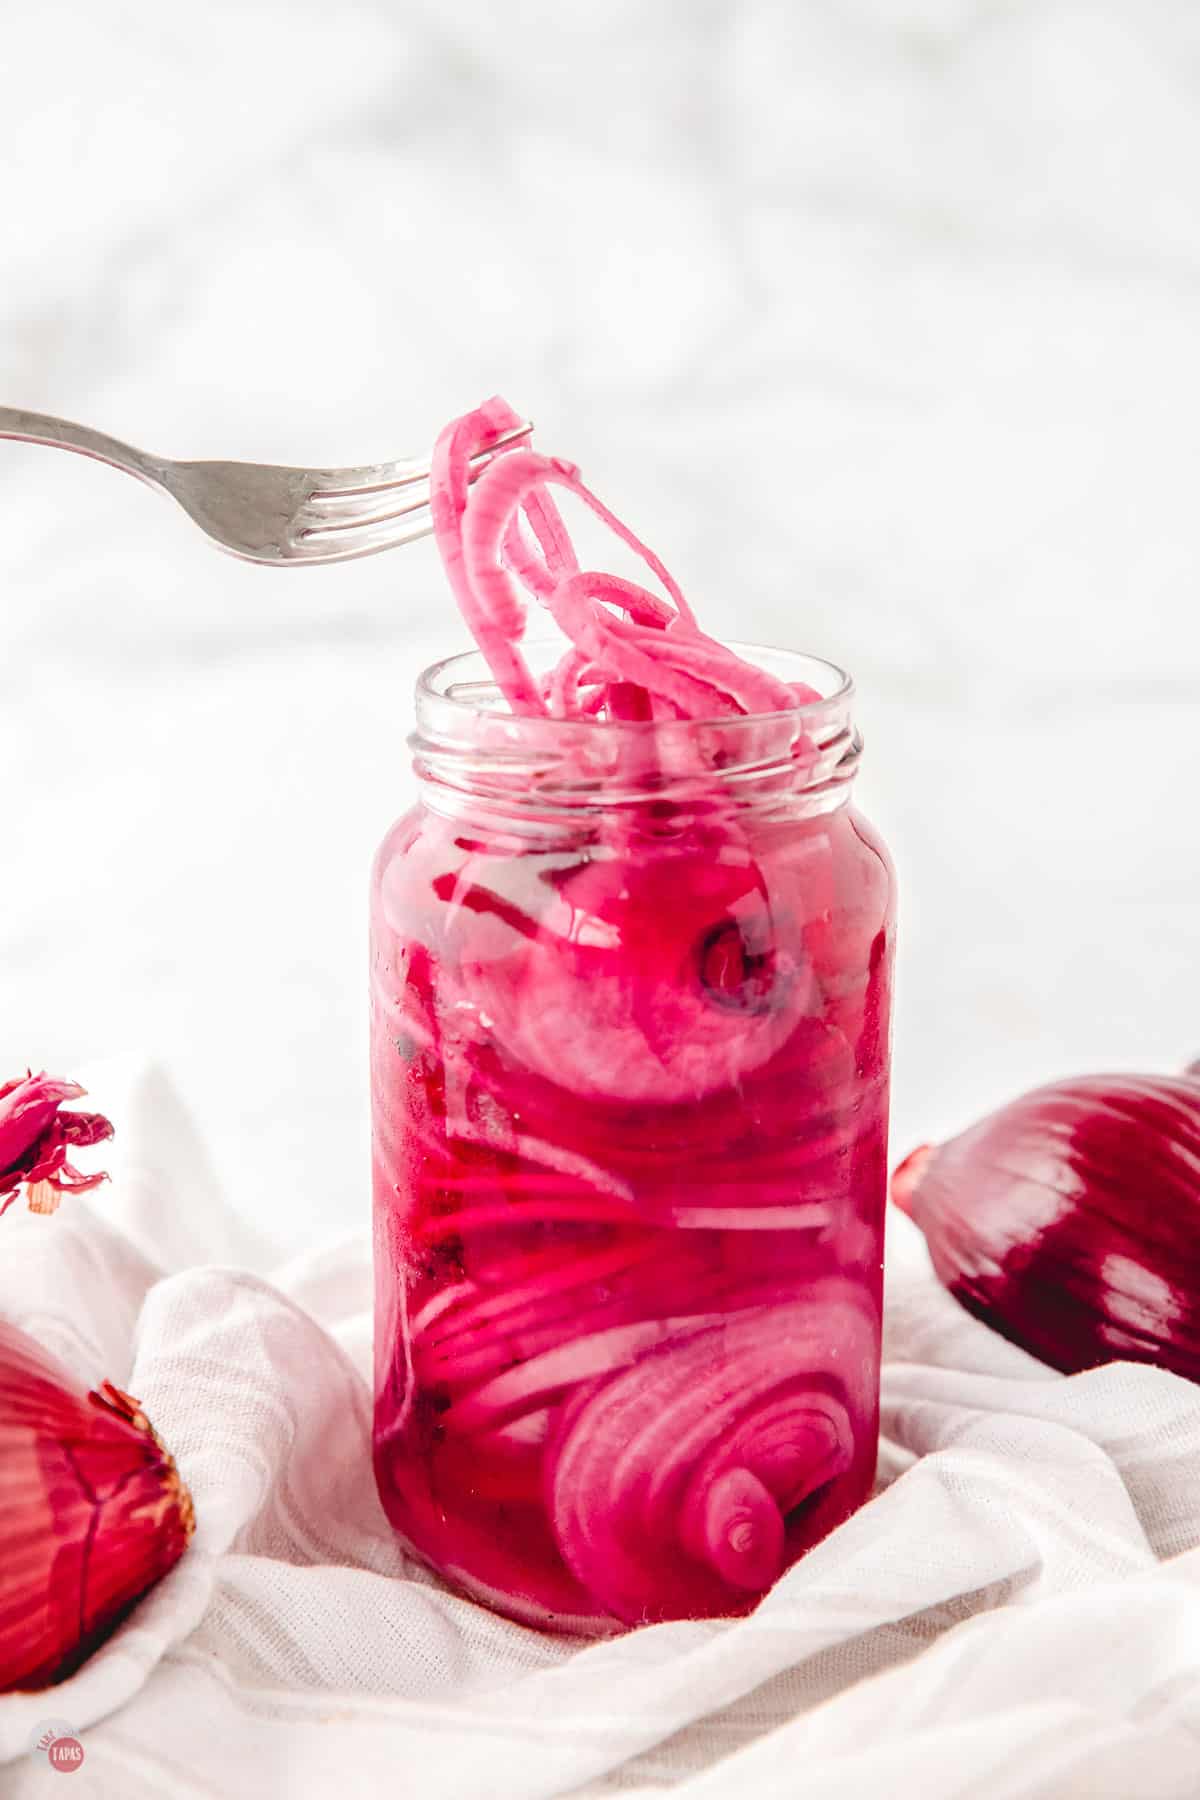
630,1004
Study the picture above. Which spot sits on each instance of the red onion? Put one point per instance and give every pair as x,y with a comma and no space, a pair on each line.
92,1513
1070,1220
92,1509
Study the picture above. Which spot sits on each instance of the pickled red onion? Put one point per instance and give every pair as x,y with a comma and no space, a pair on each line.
449,489
672,1483
653,658
629,1134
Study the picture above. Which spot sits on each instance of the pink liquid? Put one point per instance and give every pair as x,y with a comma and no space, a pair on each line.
630,1104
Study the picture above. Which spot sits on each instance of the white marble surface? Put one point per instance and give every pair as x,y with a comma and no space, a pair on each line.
878,317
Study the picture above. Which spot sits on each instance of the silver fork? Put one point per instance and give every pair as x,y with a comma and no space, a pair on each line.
266,514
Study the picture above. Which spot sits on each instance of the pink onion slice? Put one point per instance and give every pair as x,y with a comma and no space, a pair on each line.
546,524
502,488
621,650
697,673
541,1279
449,490
539,568
484,537
577,1207
671,1484
567,1364
564,685
739,1530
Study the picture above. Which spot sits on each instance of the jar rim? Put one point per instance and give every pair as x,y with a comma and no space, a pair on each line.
467,742
436,685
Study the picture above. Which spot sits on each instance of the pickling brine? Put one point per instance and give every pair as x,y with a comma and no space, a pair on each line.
630,1038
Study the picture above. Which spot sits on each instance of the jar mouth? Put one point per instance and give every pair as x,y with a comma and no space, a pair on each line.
468,743
462,688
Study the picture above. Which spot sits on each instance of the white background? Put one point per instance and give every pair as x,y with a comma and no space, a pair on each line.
877,317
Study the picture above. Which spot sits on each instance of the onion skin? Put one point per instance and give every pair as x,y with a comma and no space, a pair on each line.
92,1514
36,1138
1069,1220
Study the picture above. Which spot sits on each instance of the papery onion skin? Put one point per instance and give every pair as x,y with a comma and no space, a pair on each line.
36,1138
1069,1220
92,1514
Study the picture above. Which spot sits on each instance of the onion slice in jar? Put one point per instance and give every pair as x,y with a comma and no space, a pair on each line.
675,1486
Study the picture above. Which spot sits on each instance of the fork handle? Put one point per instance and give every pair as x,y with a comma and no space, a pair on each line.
61,434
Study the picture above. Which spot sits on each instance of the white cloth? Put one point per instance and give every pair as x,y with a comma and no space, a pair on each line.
1016,1613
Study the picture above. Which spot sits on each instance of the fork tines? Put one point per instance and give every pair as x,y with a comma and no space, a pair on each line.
381,493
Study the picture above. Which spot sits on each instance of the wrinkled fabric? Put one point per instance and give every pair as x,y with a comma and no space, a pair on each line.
1015,1613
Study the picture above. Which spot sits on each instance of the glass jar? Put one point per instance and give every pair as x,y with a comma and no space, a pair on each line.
630,1003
